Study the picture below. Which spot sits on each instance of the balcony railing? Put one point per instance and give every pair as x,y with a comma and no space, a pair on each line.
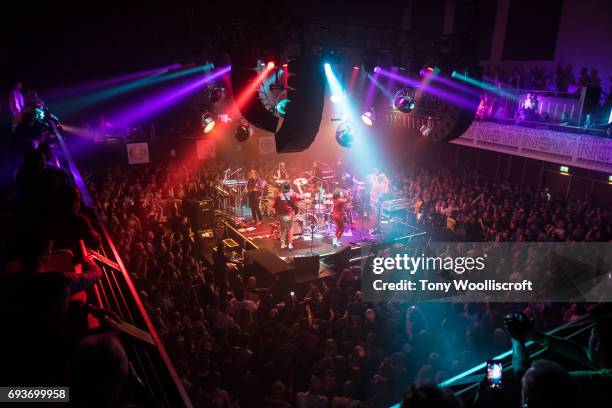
116,293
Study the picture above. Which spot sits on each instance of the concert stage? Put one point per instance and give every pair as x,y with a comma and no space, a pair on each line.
358,238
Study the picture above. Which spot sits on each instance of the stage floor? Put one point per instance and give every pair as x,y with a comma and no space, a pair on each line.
261,236
357,236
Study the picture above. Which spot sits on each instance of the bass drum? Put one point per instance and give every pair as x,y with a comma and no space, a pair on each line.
306,221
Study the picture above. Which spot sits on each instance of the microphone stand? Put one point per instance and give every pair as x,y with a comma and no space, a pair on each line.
312,230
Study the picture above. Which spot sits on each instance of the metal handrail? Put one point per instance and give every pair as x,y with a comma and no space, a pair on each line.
469,379
116,292
529,345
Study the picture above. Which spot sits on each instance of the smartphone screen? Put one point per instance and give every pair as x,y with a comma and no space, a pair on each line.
494,374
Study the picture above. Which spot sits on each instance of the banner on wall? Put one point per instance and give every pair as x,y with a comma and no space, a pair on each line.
580,150
266,144
138,153
205,149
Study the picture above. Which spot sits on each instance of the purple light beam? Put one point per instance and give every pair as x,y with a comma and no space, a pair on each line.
453,97
139,111
90,86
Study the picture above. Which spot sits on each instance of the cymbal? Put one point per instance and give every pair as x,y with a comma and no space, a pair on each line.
279,181
300,181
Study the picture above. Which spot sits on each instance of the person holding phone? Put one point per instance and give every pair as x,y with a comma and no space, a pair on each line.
592,384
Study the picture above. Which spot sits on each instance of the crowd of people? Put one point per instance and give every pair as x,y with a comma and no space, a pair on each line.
235,345
537,78
530,81
484,209
46,272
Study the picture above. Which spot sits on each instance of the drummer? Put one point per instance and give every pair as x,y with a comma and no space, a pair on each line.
281,174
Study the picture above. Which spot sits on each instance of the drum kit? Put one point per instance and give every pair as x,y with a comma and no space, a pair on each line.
315,207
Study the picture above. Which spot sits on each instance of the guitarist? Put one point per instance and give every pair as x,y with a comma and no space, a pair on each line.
255,187
286,209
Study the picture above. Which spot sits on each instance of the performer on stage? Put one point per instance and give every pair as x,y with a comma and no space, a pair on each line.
338,216
380,187
255,187
281,172
317,173
286,209
379,194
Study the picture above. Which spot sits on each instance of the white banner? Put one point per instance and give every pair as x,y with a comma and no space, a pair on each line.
205,149
266,145
580,150
138,153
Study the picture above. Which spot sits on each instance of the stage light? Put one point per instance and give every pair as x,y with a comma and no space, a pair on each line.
429,70
337,93
217,94
425,130
244,131
285,65
404,100
208,123
270,65
336,98
368,116
564,170
281,107
344,135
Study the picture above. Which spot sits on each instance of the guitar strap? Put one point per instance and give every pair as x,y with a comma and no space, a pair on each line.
291,204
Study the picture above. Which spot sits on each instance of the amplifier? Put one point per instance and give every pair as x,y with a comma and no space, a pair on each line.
395,208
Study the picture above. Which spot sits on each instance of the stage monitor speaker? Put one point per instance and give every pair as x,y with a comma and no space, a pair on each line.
306,268
253,110
305,97
200,212
339,260
264,265
205,214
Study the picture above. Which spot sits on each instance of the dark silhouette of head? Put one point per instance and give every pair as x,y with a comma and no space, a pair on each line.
427,395
547,385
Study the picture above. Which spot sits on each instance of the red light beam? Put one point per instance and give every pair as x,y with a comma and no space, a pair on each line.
247,93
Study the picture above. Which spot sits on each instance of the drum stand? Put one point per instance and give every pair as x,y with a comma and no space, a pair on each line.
363,215
312,230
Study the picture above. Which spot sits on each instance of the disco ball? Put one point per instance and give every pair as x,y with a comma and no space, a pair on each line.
217,94
404,100
344,135
244,131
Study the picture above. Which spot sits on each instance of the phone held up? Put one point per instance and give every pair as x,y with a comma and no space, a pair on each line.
494,374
